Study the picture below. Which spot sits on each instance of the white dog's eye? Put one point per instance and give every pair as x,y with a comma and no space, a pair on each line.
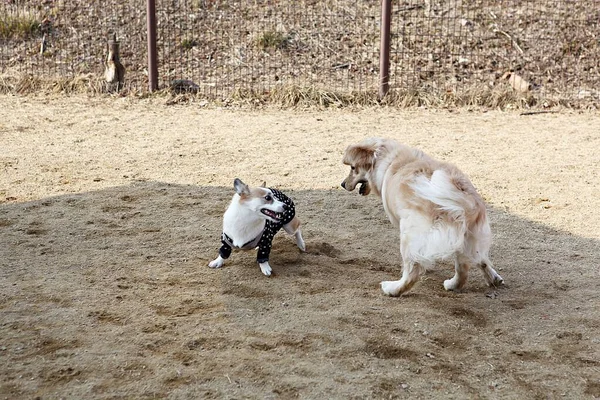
268,197
352,167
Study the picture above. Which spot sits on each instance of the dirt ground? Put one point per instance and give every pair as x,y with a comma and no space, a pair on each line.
110,211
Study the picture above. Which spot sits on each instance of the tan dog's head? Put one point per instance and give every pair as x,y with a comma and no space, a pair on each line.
361,159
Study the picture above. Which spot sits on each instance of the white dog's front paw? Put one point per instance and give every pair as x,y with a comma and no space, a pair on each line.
216,263
265,268
391,288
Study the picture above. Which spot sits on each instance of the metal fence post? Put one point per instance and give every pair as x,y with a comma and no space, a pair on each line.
152,61
384,51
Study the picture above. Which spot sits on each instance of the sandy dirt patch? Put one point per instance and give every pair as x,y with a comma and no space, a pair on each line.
110,212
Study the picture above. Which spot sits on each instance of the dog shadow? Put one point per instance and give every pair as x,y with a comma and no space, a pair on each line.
131,262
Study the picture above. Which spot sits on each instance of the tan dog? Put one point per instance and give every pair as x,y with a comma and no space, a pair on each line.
440,214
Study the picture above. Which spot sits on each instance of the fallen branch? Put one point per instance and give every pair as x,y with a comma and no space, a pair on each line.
342,66
408,8
538,112
512,41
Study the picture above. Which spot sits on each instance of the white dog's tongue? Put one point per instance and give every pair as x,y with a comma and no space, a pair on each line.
270,213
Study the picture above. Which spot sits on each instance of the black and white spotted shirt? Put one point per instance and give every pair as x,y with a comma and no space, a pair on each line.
265,239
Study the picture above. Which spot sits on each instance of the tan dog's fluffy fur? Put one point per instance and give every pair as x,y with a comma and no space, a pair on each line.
439,212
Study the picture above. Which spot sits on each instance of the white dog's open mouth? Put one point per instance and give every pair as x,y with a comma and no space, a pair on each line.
272,214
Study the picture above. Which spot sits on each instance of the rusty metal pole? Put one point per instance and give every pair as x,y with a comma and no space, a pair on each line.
152,59
384,51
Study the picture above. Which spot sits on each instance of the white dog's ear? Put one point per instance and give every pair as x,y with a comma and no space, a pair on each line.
264,184
240,187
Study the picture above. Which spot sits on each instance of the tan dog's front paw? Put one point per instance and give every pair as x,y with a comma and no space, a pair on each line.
391,288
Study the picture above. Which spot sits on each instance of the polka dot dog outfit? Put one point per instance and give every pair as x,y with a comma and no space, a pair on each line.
265,239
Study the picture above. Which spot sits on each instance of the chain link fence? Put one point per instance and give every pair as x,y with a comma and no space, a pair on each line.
219,48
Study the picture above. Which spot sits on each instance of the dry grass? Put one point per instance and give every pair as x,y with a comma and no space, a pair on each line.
293,96
272,40
26,84
20,25
188,44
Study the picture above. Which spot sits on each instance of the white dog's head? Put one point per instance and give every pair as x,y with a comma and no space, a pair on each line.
259,200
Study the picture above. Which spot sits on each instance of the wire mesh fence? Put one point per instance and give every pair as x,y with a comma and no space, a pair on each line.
68,38
550,47
257,45
219,48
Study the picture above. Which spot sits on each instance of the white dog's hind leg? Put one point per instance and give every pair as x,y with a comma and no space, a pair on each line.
461,272
491,276
300,240
265,268
217,262
293,228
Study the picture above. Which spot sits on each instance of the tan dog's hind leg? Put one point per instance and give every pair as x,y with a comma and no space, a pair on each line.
411,269
410,275
293,228
491,276
461,268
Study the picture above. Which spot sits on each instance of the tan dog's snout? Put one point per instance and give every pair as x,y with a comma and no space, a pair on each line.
351,181
348,184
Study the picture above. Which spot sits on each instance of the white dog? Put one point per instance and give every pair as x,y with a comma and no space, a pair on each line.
439,212
252,219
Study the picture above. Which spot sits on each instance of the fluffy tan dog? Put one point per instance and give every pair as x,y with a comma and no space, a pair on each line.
440,214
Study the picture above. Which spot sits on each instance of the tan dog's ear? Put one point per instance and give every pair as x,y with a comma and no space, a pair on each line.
264,184
359,156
